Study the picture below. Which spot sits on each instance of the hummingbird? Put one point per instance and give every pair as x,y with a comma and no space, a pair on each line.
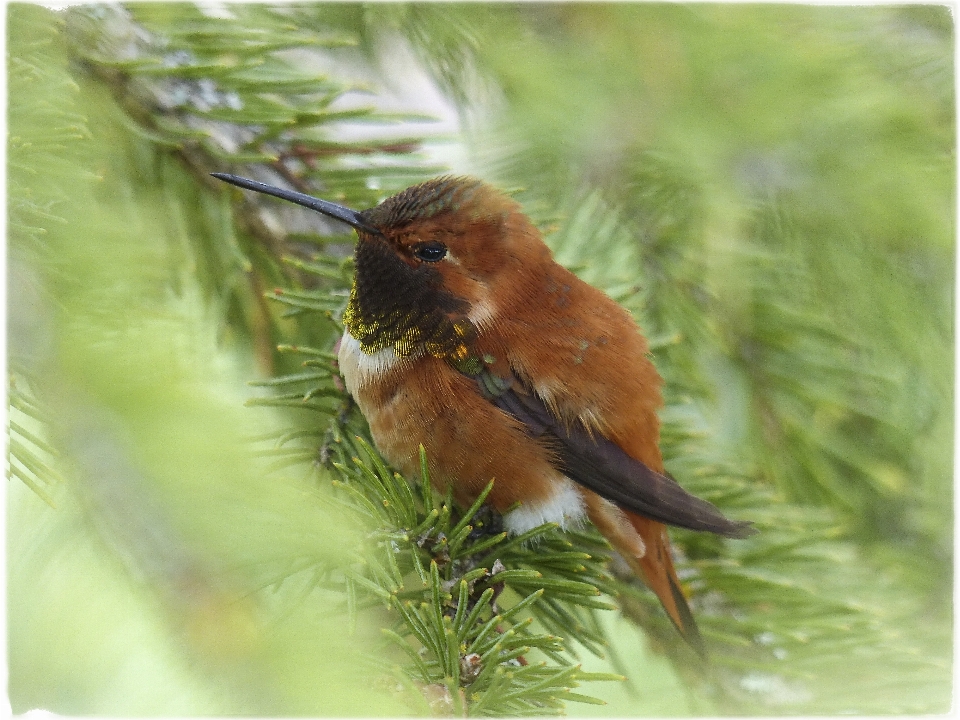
463,335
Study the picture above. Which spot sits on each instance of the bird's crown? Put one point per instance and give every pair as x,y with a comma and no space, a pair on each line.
442,195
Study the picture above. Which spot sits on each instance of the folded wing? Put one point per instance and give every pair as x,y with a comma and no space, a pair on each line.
600,465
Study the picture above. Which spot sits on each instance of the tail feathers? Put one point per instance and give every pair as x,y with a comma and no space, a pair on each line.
645,546
661,577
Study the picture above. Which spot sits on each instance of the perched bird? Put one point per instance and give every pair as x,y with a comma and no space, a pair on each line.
463,334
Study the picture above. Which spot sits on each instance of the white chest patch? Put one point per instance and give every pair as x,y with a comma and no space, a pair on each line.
358,368
565,507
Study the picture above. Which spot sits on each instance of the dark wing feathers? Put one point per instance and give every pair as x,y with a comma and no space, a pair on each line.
601,466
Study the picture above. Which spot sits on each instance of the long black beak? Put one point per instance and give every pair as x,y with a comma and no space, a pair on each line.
350,217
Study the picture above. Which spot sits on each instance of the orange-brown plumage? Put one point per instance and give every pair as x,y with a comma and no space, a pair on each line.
464,335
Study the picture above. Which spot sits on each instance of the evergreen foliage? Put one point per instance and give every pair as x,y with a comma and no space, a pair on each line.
778,218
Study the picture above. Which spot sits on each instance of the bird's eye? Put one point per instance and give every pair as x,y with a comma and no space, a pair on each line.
430,251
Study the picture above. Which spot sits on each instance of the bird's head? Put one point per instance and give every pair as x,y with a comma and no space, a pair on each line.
435,263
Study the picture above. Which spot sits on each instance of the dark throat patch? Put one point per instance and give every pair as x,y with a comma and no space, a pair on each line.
394,305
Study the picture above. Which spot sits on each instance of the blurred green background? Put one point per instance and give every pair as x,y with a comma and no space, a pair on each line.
770,189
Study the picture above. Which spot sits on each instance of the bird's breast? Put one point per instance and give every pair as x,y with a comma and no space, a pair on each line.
421,400
360,369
